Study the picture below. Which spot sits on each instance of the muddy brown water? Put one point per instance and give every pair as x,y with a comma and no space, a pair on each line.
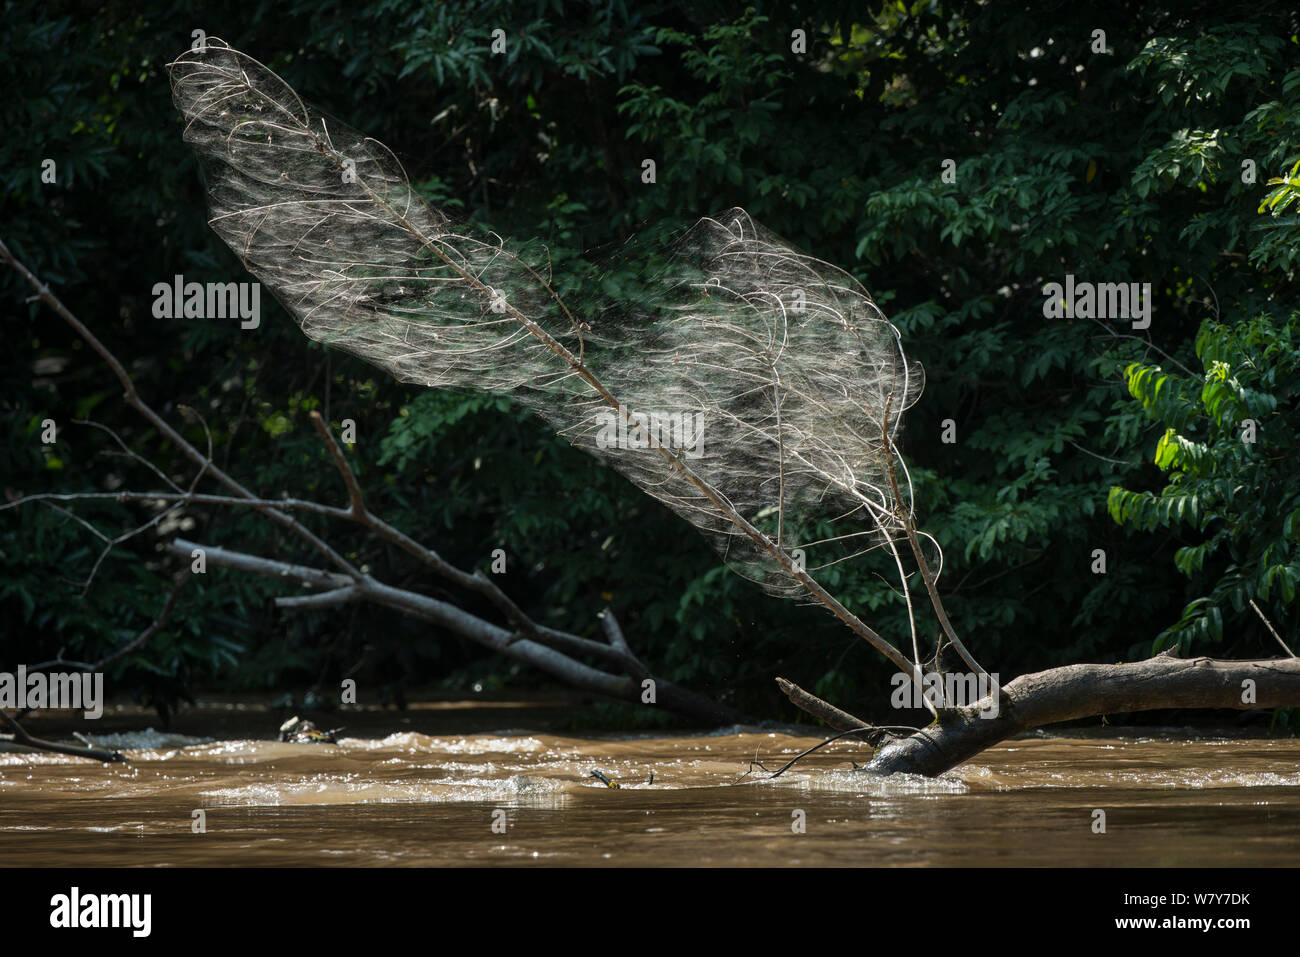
501,792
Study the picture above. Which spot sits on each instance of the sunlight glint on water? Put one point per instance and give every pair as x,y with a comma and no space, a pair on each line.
416,799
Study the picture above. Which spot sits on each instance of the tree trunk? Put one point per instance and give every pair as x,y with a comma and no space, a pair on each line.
1081,691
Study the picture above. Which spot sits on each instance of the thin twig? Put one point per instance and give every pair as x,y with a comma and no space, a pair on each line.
1149,344
133,399
477,582
835,737
1102,457
926,575
168,606
341,463
180,498
615,634
1269,626
128,451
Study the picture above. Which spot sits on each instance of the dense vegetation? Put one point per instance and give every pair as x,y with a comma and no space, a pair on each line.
1145,163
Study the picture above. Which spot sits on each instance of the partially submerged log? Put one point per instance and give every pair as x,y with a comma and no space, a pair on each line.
20,737
1082,691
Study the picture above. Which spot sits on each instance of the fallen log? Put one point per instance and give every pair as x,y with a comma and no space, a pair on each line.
1081,691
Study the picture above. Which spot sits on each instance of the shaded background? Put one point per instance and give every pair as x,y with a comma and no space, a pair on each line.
1122,166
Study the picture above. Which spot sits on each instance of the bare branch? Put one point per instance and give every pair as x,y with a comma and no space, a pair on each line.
614,632
134,400
326,599
20,736
223,558
927,576
543,652
1272,630
341,462
1149,344
537,648
180,498
128,452
815,706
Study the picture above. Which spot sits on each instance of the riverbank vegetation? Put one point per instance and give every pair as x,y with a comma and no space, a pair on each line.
954,158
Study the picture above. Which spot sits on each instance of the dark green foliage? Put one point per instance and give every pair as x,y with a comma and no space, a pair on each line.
1233,492
1116,166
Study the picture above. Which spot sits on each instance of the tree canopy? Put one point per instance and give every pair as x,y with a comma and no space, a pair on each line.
953,157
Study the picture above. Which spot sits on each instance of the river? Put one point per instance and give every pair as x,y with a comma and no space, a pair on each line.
423,795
